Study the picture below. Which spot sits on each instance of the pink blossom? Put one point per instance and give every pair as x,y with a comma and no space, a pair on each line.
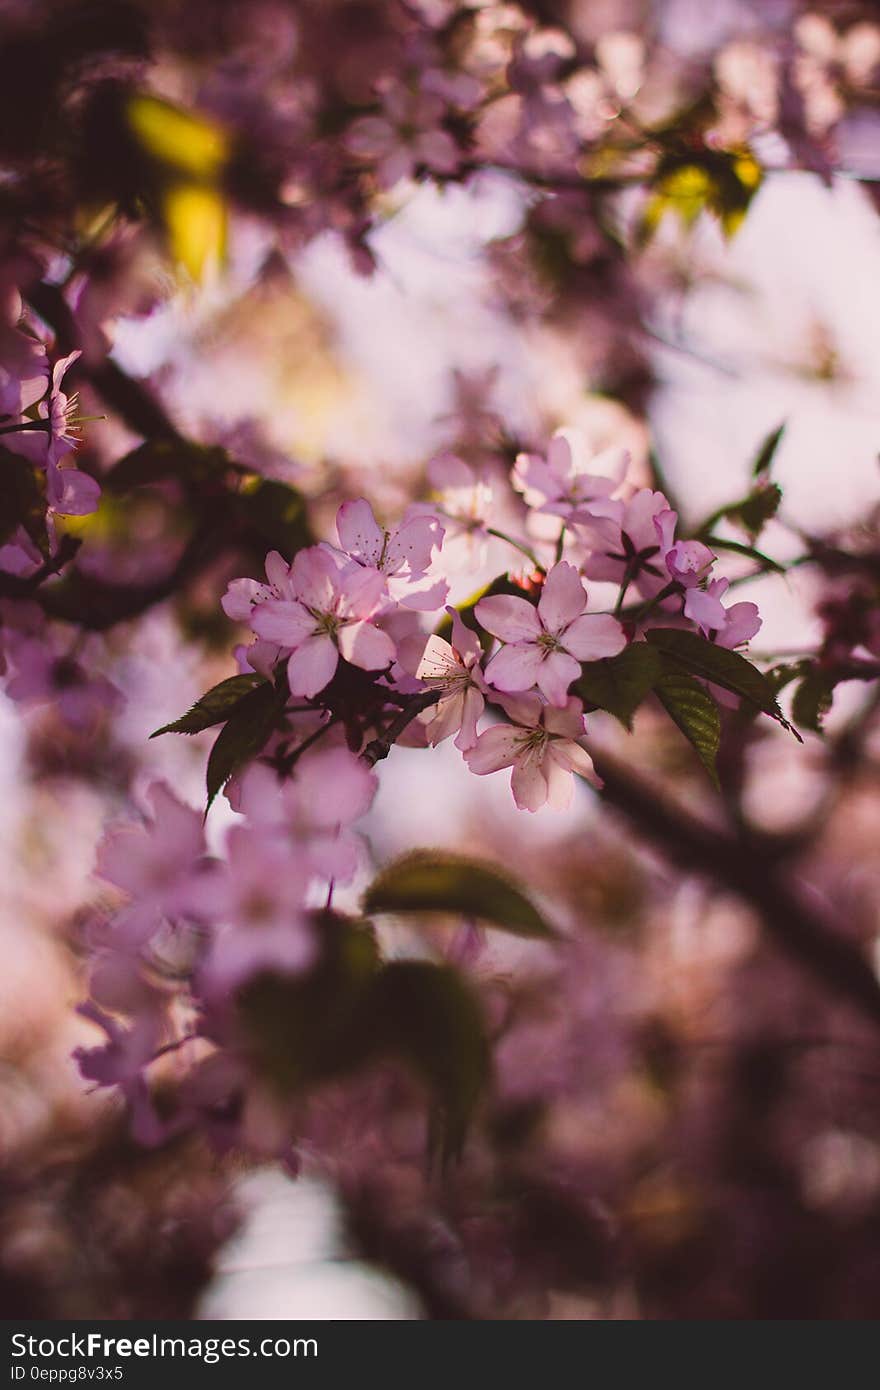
540,747
69,491
453,669
326,616
402,556
153,863
329,790
121,1062
466,502
39,673
624,542
243,595
256,901
60,436
407,135
687,562
546,645
568,479
729,627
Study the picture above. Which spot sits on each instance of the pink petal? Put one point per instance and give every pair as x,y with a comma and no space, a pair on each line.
593,636
510,618
705,609
560,783
315,578
361,591
528,783
515,667
563,597
568,722
555,675
464,639
359,532
283,621
312,666
473,705
335,787
570,755
494,749
445,718
410,547
240,597
366,646
71,492
277,569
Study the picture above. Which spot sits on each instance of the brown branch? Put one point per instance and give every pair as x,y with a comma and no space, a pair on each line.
810,940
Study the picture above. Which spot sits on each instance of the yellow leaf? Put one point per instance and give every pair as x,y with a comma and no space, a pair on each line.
195,222
186,142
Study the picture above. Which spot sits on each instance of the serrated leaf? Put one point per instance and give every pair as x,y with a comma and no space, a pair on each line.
812,700
749,551
215,706
244,735
719,665
620,683
692,708
767,451
429,881
758,508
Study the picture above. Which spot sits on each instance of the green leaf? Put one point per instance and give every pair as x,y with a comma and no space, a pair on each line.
307,1028
428,881
812,700
428,1017
692,708
767,451
244,735
717,664
350,1011
749,551
215,706
157,460
277,513
620,683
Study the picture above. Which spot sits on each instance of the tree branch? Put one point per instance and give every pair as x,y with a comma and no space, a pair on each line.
808,938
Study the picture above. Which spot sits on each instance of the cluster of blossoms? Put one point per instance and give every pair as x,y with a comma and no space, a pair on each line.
513,656
193,929
343,641
38,421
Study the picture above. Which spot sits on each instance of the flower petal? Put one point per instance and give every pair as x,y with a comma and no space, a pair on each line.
515,667
555,675
312,666
283,621
563,597
366,646
495,748
510,618
359,532
593,636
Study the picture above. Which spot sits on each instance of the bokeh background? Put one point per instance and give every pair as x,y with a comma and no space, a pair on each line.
686,1126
